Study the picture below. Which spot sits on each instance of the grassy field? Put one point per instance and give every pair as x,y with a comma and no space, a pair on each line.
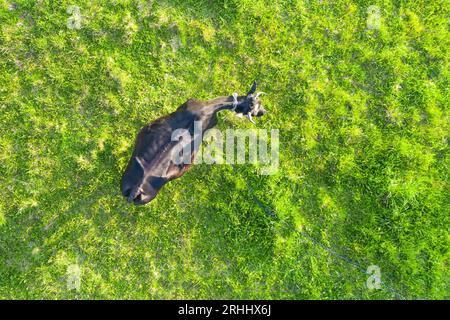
360,95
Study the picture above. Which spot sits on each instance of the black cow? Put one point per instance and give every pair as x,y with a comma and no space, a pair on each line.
151,165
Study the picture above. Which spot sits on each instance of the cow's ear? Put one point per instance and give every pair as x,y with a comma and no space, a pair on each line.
252,89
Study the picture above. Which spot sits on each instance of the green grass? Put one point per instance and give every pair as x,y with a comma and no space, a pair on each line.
364,156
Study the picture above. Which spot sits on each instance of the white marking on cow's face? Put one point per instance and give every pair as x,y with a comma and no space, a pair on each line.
257,110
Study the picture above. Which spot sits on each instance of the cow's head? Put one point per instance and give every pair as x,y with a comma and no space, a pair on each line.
251,105
138,186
